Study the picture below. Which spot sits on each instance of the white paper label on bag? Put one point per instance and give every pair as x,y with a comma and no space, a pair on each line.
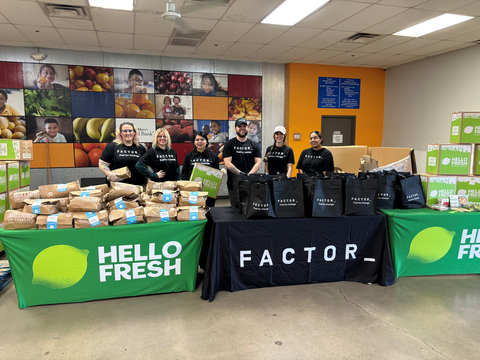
36,206
90,188
52,222
167,195
131,216
193,213
85,193
119,203
62,187
192,199
164,215
92,218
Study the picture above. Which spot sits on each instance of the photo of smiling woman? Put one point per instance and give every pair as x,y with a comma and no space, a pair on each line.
317,159
161,158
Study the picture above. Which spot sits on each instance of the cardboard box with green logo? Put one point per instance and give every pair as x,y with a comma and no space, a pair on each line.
3,176
9,207
469,185
3,205
210,177
24,173
16,149
450,159
465,127
13,174
437,186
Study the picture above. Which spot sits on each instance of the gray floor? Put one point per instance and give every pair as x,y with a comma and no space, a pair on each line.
434,317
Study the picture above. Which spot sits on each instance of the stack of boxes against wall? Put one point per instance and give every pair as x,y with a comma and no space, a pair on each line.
15,157
454,168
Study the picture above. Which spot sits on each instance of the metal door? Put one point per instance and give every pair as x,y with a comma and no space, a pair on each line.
338,130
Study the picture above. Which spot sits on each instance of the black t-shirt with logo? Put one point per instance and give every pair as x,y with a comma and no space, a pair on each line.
315,161
165,160
120,155
243,156
207,158
279,158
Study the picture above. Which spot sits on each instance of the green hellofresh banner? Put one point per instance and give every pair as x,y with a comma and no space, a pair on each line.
75,265
429,242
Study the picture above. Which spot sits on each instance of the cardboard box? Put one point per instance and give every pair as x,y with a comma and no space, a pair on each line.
210,178
348,158
450,159
465,127
3,205
469,185
16,149
3,176
13,174
389,155
9,207
24,173
437,186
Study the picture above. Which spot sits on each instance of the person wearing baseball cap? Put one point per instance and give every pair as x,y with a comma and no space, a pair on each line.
279,157
241,155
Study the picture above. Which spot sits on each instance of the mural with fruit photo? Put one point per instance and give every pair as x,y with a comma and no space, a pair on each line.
173,83
51,129
132,106
207,84
134,81
13,127
176,107
180,131
45,77
247,108
93,130
84,78
88,154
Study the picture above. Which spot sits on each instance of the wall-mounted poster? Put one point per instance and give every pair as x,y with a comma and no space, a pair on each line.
134,81
93,130
173,82
47,103
46,77
181,131
254,131
135,106
146,128
13,127
247,108
173,107
53,129
207,84
88,154
11,75
90,78
11,102
217,131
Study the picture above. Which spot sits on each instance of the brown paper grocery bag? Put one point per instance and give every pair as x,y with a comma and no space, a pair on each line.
18,220
41,207
17,198
84,204
87,220
121,217
189,186
58,190
61,220
184,213
189,198
154,214
165,185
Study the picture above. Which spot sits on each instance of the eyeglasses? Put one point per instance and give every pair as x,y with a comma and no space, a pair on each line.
128,131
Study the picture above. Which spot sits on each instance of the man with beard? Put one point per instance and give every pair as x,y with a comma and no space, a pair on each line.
241,155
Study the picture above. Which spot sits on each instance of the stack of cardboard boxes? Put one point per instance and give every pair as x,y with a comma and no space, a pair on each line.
15,157
452,168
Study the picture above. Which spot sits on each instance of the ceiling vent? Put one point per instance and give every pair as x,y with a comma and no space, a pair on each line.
66,11
362,38
184,37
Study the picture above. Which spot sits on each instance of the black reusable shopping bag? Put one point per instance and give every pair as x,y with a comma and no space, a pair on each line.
327,198
386,188
409,192
308,192
361,196
255,199
288,198
244,177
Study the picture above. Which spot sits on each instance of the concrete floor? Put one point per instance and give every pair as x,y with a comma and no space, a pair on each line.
434,317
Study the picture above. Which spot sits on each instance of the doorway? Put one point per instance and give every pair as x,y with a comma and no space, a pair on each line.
338,130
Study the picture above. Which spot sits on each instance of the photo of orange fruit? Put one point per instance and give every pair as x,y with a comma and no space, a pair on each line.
136,106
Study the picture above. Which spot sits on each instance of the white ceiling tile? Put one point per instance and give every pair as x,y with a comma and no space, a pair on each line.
471,36
456,30
408,46
48,35
155,5
179,49
296,53
401,3
295,36
443,5
363,60
402,21
213,12
195,24
115,40
365,1
67,2
72,23
331,14
85,48
51,46
79,37
3,19
368,17
322,55
347,56
117,50
10,33
426,50
472,9
403,61
148,24
16,43
150,43
395,59
112,20
455,48
212,48
24,12
242,49
270,51
262,33
344,46
229,31
252,10
384,43
326,38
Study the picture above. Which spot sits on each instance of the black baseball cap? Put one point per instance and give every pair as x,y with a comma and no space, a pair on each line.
240,122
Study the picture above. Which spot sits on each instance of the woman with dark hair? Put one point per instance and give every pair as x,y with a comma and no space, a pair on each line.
161,158
6,110
279,158
125,150
317,159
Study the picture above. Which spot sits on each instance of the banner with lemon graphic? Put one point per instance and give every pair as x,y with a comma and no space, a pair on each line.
63,266
428,242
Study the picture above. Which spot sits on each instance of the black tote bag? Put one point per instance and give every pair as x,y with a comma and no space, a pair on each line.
288,198
244,177
327,198
410,192
255,200
361,196
308,192
386,188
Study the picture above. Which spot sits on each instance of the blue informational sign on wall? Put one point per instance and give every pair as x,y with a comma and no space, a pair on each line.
338,93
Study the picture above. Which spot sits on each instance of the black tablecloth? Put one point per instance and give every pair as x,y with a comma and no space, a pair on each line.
322,250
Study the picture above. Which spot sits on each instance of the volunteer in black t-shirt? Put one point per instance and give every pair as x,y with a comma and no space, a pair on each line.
240,155
279,158
161,158
317,159
124,151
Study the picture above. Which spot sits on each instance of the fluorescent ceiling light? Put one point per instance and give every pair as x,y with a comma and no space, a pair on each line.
113,4
435,24
292,11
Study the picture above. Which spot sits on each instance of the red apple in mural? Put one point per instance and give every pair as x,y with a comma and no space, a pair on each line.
89,83
90,73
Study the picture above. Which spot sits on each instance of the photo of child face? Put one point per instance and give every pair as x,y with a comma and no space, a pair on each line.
215,128
252,129
135,80
206,129
167,101
3,100
207,85
51,129
48,73
176,100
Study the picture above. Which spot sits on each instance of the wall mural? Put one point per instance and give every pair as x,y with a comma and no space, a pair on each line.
78,108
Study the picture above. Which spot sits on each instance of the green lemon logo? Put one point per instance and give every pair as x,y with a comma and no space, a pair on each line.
430,245
59,266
